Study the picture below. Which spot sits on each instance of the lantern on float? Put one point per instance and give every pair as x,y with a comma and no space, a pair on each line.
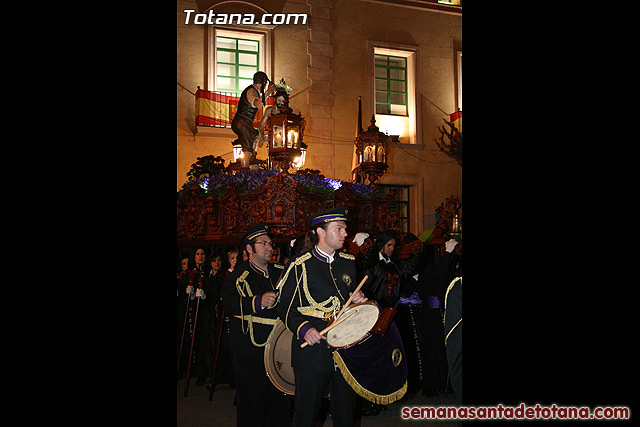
372,150
285,132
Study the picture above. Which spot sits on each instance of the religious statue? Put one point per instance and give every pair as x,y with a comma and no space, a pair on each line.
281,105
252,98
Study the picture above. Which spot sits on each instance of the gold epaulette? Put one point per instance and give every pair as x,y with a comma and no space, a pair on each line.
302,258
280,266
346,256
242,279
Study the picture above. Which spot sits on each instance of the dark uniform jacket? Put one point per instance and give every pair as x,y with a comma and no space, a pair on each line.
312,291
250,326
388,273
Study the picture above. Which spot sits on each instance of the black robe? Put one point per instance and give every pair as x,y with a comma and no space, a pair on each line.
391,283
435,277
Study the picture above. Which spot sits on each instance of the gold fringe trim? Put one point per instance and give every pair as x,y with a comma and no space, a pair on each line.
363,392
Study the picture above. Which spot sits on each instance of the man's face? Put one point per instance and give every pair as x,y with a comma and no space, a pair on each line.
280,101
389,247
263,251
334,235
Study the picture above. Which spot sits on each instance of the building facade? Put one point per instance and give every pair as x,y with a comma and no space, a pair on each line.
403,57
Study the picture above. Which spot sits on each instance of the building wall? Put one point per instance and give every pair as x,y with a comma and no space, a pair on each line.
326,61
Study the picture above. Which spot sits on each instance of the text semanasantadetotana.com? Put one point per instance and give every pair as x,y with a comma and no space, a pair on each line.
521,412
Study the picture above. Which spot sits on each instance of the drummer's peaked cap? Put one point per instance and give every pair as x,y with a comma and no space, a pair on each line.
255,231
335,214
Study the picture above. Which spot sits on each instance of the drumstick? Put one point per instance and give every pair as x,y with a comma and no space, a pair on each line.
344,307
346,304
331,326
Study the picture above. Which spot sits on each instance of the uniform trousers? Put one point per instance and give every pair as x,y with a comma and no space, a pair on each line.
310,387
258,402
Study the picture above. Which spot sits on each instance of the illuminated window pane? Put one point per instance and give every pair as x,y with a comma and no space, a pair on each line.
226,70
251,45
248,59
247,71
224,56
390,84
400,110
225,83
225,43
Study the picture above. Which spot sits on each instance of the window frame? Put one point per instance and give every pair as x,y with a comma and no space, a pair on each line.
388,79
412,122
458,68
236,51
261,34
398,203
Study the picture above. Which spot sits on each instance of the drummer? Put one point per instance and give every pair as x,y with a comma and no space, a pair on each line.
251,301
314,287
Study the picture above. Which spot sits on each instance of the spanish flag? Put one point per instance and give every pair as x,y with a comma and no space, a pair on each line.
218,109
456,120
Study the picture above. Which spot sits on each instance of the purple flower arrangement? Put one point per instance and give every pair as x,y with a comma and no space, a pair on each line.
317,183
249,180
244,180
364,190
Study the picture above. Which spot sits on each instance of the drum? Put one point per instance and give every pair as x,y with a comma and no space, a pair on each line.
376,367
277,359
356,327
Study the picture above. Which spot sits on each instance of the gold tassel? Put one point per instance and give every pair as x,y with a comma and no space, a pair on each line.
363,392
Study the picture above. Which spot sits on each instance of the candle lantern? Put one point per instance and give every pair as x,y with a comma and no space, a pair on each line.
240,161
237,151
285,130
298,162
372,150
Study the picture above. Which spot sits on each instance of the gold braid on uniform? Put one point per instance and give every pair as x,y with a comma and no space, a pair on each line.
446,295
313,304
241,286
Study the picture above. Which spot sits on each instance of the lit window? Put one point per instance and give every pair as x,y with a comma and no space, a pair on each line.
236,62
393,89
391,85
235,55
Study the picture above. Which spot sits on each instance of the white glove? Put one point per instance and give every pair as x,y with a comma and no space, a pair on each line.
189,289
200,293
359,238
291,243
450,245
